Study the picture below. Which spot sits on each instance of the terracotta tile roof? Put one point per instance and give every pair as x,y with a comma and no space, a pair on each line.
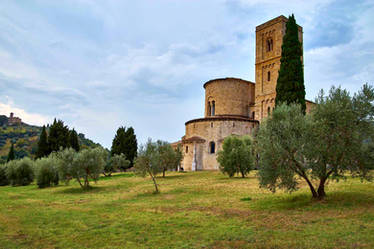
193,139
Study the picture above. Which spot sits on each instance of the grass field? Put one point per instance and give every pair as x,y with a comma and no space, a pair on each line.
194,210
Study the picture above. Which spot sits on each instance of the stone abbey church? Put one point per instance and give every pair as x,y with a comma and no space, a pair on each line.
235,106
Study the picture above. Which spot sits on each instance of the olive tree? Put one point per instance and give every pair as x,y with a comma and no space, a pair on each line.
148,162
236,156
3,178
114,163
83,166
169,158
20,172
336,138
341,139
46,171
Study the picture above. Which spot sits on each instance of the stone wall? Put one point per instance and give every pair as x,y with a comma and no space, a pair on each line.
231,96
205,131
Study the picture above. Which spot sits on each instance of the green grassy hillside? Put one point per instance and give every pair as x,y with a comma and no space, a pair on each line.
25,138
194,210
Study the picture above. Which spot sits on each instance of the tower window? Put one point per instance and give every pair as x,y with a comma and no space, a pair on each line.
212,147
268,110
269,75
209,109
213,108
186,149
269,45
211,125
253,115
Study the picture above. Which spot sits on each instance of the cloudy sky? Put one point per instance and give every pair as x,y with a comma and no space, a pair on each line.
99,65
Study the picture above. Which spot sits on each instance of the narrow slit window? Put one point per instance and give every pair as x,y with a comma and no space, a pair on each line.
213,108
212,147
186,149
269,75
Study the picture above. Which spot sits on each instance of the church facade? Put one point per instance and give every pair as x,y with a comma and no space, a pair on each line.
235,106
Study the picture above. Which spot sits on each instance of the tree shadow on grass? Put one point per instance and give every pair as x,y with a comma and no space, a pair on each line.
79,190
333,200
148,194
171,176
116,176
237,178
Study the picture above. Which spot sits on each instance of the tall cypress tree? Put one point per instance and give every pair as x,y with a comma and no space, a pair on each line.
11,155
118,144
131,149
58,136
73,140
290,84
125,142
43,146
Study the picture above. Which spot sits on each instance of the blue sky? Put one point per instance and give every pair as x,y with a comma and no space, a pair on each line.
99,65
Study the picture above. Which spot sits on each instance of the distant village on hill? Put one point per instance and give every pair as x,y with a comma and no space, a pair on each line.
11,120
24,137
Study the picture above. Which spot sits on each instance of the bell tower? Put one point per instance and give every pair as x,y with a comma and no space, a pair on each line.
269,39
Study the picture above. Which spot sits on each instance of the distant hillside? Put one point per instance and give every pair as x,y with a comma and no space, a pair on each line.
25,138
3,120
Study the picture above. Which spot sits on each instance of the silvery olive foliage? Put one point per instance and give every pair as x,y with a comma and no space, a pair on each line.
236,156
20,172
114,163
46,171
83,166
335,139
148,162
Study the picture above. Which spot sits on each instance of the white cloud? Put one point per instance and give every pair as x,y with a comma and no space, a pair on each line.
98,65
30,118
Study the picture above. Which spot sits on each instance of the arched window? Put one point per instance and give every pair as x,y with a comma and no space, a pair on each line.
253,115
268,110
209,109
186,149
213,108
269,45
268,75
212,147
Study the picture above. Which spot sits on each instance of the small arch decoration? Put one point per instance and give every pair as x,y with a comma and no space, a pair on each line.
269,44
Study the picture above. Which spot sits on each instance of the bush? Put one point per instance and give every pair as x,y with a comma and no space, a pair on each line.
46,172
20,172
3,178
236,156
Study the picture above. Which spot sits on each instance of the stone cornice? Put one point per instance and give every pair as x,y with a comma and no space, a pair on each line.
228,79
223,118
